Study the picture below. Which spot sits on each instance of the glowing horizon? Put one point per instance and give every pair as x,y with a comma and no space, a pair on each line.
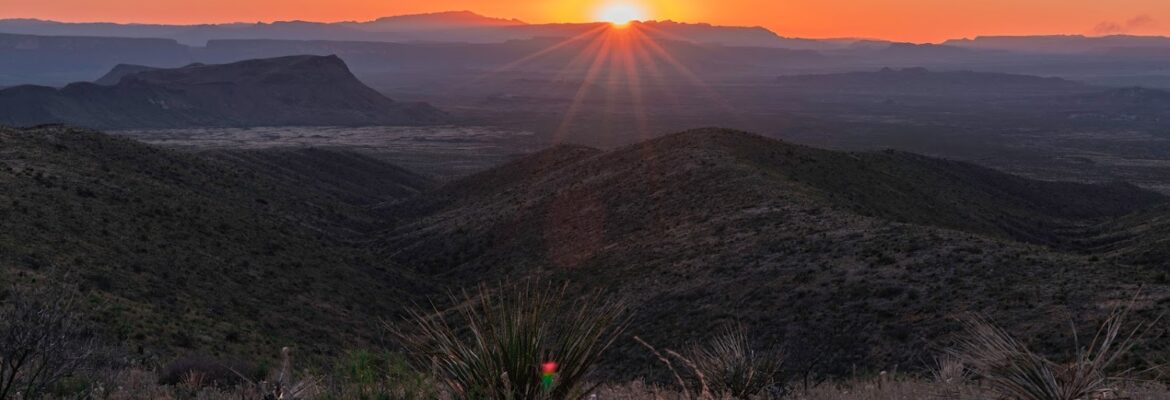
621,14
904,20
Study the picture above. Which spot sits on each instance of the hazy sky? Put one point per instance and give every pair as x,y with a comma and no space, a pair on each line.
912,20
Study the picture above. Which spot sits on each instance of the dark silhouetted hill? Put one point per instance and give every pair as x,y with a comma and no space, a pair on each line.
295,90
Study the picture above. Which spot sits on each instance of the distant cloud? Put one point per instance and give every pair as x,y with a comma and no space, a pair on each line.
1116,28
1141,21
1108,28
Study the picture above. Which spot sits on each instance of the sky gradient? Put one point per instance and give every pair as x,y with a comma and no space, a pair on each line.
908,20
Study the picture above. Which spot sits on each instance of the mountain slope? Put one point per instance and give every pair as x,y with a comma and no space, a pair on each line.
352,179
121,71
178,253
875,253
909,188
295,90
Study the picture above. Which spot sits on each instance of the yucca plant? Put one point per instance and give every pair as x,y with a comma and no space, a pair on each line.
1009,368
949,370
492,345
732,368
950,375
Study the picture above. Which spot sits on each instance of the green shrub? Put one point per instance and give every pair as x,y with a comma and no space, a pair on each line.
366,375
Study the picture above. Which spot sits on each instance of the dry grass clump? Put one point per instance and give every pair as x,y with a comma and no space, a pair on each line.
726,367
891,389
208,371
499,340
141,383
949,370
1013,371
732,368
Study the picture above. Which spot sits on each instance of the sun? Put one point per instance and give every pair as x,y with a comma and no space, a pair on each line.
621,14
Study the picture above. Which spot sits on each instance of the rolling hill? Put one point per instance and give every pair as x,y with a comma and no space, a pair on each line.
294,90
859,260
225,254
875,253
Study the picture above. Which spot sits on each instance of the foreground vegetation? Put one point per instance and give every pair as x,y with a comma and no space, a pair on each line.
532,341
141,384
201,268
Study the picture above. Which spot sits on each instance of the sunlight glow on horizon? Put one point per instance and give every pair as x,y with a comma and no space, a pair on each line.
621,14
611,61
902,20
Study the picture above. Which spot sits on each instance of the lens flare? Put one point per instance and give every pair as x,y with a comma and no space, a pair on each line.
548,373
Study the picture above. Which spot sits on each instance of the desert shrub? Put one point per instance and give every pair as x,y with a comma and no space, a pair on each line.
364,374
208,372
284,384
42,341
726,367
732,368
949,370
493,344
950,375
1009,368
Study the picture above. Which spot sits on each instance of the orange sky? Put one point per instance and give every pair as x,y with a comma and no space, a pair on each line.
910,20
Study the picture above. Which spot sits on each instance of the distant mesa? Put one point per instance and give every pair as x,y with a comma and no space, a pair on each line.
284,91
1062,43
452,26
924,80
433,21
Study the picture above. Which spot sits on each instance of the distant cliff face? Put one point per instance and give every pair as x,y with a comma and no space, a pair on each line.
285,91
